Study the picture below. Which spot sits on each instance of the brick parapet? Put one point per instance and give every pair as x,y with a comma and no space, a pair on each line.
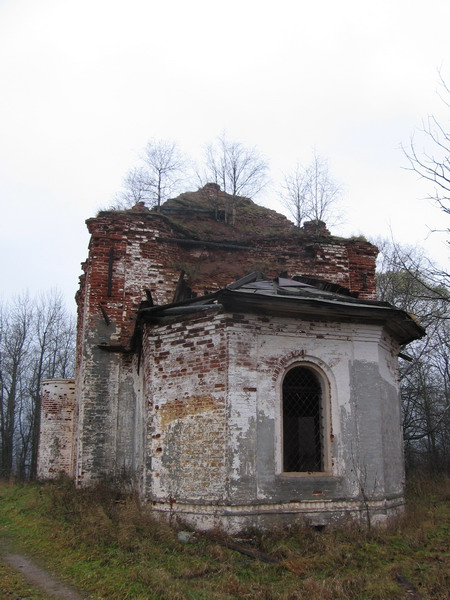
131,251
361,268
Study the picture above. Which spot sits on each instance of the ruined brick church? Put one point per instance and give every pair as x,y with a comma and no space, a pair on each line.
237,368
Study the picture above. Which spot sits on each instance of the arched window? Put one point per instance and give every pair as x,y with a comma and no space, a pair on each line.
303,421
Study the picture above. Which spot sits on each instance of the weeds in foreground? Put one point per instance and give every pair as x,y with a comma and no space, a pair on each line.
107,544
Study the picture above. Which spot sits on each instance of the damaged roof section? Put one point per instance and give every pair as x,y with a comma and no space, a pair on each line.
290,298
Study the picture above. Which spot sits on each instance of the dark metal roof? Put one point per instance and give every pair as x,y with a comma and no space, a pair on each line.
295,299
290,287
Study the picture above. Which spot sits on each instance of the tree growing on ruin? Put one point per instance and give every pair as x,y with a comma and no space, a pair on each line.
238,170
158,176
310,193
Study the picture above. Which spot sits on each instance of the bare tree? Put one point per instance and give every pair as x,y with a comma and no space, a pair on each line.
14,355
426,404
135,188
238,170
310,193
157,177
295,194
433,164
425,381
409,279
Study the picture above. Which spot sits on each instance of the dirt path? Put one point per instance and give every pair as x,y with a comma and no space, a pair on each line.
38,576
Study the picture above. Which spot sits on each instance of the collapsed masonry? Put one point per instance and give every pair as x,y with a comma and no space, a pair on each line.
234,399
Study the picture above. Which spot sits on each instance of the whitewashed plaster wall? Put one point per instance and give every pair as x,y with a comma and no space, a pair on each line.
242,484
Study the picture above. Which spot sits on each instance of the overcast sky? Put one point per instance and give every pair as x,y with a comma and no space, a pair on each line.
85,84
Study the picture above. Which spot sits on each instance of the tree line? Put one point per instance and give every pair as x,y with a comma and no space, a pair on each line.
406,279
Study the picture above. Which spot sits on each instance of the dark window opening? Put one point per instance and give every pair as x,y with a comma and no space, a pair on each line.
302,421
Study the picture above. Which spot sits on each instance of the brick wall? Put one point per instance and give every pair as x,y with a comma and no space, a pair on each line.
57,427
131,251
186,382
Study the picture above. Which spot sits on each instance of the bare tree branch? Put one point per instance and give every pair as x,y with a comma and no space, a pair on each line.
433,165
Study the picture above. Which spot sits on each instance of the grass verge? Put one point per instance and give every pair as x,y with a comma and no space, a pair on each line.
106,545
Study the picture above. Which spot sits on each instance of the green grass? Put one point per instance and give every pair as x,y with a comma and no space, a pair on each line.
110,548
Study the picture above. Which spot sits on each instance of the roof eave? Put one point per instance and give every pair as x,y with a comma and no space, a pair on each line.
397,322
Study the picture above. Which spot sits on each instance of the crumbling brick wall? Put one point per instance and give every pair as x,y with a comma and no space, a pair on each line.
133,251
185,387
57,428
214,398
137,255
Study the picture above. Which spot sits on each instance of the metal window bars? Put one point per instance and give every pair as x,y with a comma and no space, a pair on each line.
302,421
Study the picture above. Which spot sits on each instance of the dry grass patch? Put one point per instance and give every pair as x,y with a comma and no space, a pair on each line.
108,544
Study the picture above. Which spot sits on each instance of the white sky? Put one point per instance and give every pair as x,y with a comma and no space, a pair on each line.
85,84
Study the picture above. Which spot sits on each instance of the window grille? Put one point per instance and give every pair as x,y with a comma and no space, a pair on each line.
302,421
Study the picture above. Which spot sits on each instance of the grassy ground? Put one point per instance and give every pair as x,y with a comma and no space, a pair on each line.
14,586
107,547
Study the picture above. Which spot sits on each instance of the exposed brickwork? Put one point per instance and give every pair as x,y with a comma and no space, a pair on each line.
213,390
361,269
136,252
57,428
186,382
124,260
131,251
